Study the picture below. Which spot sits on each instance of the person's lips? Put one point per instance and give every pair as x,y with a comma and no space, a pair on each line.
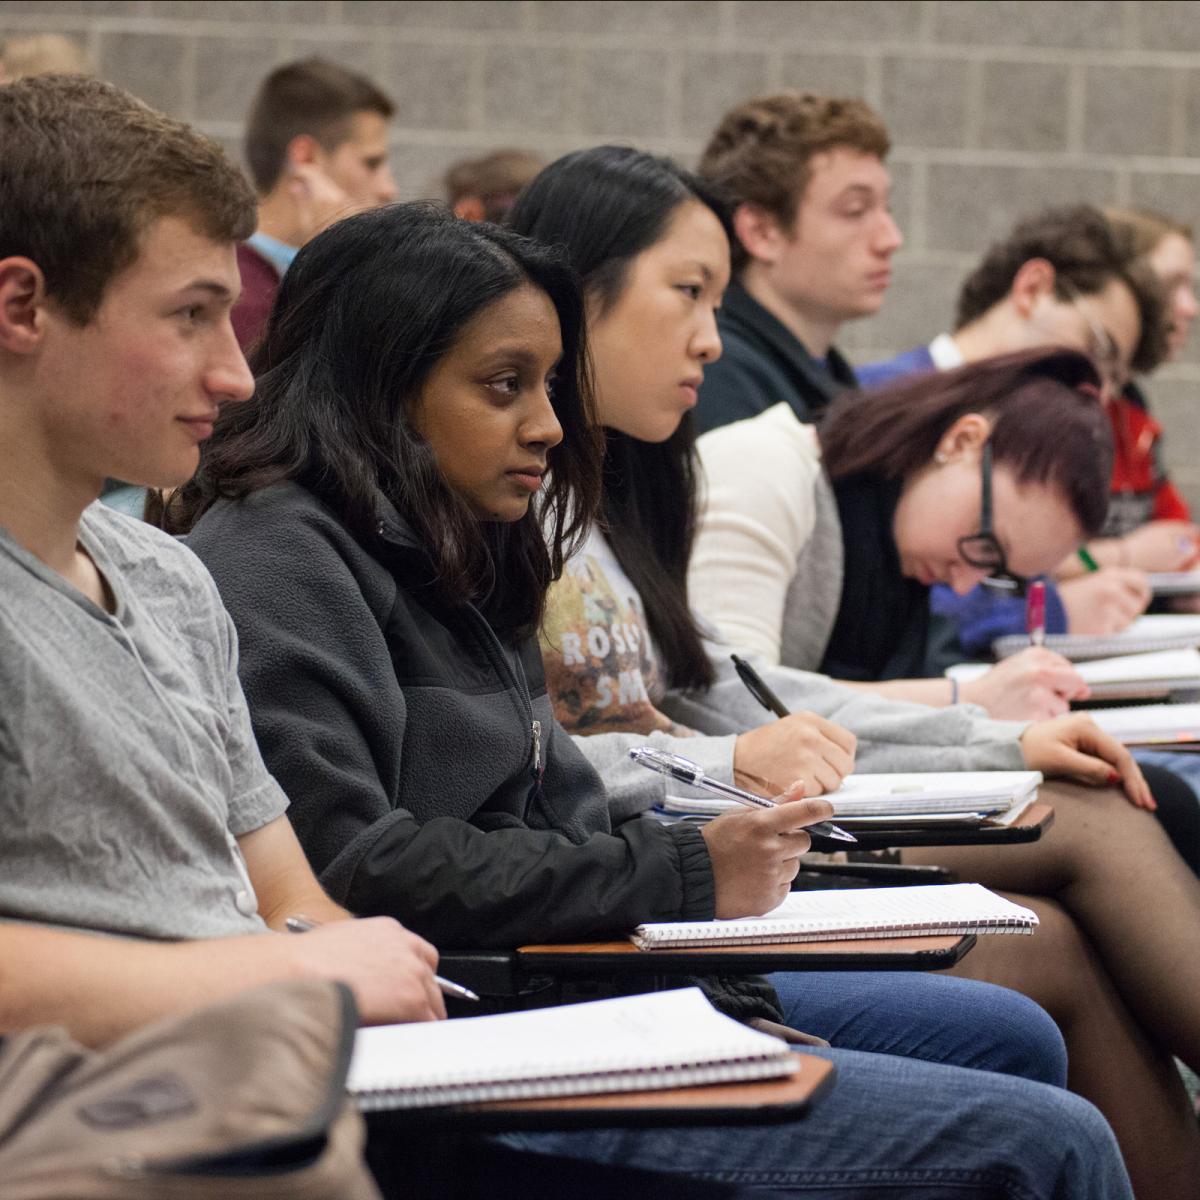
528,477
880,279
691,389
202,424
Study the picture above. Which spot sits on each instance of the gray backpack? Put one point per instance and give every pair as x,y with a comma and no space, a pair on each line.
242,1099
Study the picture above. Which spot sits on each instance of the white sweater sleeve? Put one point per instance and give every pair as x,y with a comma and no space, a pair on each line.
757,514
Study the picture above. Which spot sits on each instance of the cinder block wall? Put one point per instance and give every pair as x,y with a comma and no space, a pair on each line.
996,106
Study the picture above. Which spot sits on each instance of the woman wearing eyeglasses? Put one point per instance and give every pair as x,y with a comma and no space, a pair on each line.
992,471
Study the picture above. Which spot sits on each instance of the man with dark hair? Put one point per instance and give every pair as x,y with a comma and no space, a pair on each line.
814,243
1062,277
135,801
316,145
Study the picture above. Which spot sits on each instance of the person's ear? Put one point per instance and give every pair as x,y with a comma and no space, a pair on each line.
469,208
22,305
759,232
1033,281
964,440
303,148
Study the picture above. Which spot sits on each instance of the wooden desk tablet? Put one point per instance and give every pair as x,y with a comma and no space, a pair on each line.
935,953
715,1104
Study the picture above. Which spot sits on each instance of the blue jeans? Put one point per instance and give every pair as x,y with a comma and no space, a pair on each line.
889,1128
937,1018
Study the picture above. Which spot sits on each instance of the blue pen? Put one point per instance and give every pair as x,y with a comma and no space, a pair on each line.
685,771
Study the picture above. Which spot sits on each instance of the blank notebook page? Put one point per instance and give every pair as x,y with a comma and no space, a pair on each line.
661,1039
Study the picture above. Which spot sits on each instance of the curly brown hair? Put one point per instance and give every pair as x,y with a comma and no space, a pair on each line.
87,168
761,152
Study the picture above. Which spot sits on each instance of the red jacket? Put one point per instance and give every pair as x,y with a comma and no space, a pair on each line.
1141,490
260,283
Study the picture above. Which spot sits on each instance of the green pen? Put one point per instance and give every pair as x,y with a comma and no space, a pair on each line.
1085,557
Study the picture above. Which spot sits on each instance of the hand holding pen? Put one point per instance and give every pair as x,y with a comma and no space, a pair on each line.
799,745
302,924
754,853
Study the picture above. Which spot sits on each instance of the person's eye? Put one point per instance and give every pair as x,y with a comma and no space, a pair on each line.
552,382
506,385
692,290
191,313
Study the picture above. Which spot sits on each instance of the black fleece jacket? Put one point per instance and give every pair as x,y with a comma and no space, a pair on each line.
427,775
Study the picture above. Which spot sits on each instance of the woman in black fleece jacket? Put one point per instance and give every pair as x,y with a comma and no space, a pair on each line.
368,520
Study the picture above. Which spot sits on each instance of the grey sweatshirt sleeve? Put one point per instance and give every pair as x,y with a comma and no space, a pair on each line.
893,735
633,789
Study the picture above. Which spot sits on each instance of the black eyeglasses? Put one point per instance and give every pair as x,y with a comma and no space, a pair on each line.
983,549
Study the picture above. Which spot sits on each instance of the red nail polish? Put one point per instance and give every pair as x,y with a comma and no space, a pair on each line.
1114,777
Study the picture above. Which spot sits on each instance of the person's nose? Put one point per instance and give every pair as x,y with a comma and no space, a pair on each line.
706,342
387,190
964,578
228,378
541,429
888,238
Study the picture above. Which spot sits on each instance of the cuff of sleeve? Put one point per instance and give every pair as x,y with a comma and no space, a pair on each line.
254,809
698,891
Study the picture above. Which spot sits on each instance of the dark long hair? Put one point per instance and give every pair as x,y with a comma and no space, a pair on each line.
1048,426
364,314
604,207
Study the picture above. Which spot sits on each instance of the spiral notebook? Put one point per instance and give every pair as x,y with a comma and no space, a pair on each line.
833,915
1127,675
1174,583
1176,726
1158,631
632,1043
903,794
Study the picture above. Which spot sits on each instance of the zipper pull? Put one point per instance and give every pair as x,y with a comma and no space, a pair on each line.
537,749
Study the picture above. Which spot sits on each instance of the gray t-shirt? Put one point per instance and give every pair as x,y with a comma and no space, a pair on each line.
127,761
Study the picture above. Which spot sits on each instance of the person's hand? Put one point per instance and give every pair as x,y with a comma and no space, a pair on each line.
1030,686
1105,601
1162,546
389,970
1075,747
799,748
319,201
755,852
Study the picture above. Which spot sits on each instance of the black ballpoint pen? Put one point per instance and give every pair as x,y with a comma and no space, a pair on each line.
685,771
757,687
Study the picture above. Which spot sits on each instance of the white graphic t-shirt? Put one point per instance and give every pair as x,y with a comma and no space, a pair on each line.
602,669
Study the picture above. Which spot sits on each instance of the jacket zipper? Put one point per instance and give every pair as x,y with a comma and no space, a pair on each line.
495,651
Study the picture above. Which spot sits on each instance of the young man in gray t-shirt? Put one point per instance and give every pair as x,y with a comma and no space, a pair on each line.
133,798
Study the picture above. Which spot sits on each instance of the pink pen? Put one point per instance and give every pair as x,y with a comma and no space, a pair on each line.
1035,613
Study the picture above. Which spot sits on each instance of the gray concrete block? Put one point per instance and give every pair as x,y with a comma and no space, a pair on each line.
925,101
430,85
825,74
971,206
865,21
70,8
715,82
644,17
150,65
623,95
903,198
228,72
418,169
1023,106
1088,24
1168,24
529,90
467,15
1175,193
270,12
363,55
919,306
1127,110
